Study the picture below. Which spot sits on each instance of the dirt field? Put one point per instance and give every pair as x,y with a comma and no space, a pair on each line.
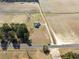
59,6
73,23
63,18
18,7
66,27
27,14
24,54
38,36
20,13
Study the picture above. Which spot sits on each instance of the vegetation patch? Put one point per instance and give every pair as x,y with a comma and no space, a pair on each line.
15,34
70,55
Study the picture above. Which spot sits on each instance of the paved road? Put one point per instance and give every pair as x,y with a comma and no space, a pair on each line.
25,46
57,46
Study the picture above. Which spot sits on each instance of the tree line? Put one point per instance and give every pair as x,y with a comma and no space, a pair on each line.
15,34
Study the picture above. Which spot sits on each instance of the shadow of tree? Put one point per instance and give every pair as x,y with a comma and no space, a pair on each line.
16,44
4,45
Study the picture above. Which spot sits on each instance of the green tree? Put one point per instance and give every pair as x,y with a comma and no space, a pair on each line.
12,26
16,26
1,34
21,30
46,49
12,34
6,27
